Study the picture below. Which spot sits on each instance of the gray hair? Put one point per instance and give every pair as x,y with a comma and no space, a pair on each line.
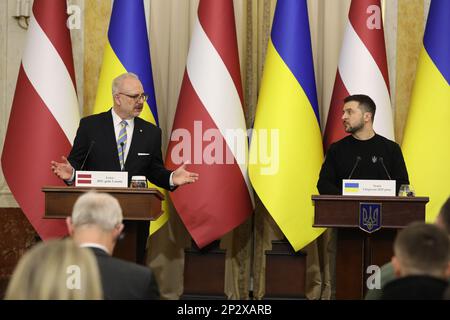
118,81
99,209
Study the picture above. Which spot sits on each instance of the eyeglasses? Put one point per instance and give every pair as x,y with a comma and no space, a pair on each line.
136,97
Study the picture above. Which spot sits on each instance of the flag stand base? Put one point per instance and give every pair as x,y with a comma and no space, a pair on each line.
204,272
285,272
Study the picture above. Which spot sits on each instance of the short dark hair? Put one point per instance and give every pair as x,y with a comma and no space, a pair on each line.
444,214
422,249
366,104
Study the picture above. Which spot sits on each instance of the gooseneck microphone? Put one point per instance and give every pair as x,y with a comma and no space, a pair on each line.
358,159
384,167
87,154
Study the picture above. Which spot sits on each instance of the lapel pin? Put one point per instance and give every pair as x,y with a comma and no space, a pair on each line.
140,130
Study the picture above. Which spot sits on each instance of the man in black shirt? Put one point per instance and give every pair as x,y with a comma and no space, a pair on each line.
361,154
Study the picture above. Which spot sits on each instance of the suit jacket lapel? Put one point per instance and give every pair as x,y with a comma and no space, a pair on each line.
135,142
110,138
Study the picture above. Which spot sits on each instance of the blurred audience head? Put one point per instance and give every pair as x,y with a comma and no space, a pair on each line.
56,270
96,218
443,218
422,249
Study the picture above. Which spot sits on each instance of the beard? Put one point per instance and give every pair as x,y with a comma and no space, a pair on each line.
353,129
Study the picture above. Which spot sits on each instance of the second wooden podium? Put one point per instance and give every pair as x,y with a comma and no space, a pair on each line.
358,249
139,207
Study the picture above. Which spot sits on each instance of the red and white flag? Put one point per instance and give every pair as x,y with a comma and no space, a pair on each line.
44,114
209,129
362,69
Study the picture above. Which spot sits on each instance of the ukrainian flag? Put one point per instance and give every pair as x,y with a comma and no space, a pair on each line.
426,145
287,115
351,187
128,50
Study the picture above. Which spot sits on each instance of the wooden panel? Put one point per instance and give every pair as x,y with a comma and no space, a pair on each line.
59,201
382,248
285,272
343,211
132,246
356,250
16,236
204,272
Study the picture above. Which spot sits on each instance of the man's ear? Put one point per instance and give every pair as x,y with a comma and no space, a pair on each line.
69,225
397,267
118,230
116,99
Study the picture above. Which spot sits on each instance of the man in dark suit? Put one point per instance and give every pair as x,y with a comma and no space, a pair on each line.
96,223
117,140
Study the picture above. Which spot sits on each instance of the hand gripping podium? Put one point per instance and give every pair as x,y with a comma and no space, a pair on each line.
139,207
367,226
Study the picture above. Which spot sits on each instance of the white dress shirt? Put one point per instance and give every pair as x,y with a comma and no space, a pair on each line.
117,126
94,245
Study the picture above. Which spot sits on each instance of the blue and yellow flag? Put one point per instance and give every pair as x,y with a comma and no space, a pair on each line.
426,142
128,50
286,148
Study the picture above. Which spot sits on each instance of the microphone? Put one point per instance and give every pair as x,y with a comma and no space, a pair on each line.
358,159
123,156
384,167
87,154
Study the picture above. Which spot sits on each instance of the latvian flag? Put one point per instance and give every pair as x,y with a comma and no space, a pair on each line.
84,178
209,106
44,114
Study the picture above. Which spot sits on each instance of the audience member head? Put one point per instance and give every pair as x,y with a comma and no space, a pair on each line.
56,270
443,218
422,249
96,218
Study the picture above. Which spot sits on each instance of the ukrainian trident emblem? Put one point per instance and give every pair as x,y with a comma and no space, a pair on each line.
370,217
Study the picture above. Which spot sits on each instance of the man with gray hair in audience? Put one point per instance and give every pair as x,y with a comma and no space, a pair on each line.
96,223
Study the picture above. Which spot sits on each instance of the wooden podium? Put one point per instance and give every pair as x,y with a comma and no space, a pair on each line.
356,248
139,207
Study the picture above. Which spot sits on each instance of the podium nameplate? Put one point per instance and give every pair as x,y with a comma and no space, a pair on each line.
359,187
110,179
